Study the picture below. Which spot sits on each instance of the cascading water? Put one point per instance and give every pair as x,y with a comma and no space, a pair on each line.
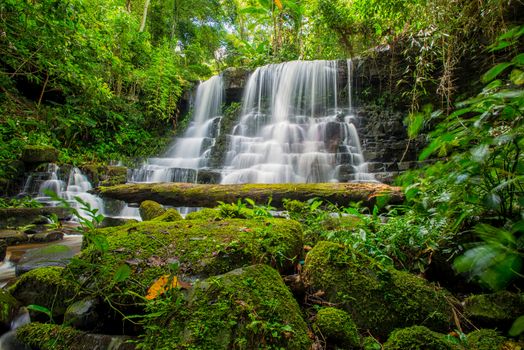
190,152
292,128
76,185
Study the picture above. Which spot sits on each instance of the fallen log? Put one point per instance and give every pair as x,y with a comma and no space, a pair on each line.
198,195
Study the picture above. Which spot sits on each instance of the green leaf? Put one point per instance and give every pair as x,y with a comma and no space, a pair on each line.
519,59
517,77
495,71
122,273
41,309
517,328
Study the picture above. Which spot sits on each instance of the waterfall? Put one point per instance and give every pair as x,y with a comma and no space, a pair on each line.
292,128
191,151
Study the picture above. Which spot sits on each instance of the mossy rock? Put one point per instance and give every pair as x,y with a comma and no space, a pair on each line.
50,287
337,328
485,339
169,216
55,337
39,154
494,310
8,309
417,338
198,248
204,214
379,299
13,237
150,210
248,308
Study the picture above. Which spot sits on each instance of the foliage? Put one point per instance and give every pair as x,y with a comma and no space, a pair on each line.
24,202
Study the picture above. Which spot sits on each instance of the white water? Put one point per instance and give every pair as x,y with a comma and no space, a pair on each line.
190,152
76,185
292,128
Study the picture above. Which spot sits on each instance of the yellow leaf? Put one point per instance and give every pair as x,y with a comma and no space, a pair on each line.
279,4
161,285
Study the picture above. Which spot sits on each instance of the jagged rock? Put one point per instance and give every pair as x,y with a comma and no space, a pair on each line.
39,154
230,311
150,209
379,299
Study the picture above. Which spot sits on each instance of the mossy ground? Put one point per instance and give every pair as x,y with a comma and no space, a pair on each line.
417,338
248,308
379,299
47,336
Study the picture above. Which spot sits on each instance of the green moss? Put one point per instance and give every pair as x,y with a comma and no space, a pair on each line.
378,299
39,154
495,309
247,308
337,327
416,338
47,336
150,210
370,343
8,308
199,248
50,287
485,339
204,214
169,216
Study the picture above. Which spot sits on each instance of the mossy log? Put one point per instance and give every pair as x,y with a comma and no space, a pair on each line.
197,195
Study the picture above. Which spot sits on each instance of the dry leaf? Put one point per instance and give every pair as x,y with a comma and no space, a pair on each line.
161,285
279,4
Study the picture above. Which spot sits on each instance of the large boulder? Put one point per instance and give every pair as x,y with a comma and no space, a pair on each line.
497,310
48,287
39,154
417,338
247,308
13,237
337,328
16,217
150,210
378,298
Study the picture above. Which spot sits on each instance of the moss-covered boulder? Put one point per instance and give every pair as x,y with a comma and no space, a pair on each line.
417,338
34,154
378,298
169,216
50,287
494,310
196,248
13,237
54,337
150,210
337,328
247,308
485,339
8,309
204,214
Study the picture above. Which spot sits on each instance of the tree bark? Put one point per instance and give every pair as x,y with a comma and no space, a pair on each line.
196,195
144,16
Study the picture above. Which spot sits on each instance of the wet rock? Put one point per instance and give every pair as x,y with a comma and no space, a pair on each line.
16,217
494,310
9,341
417,338
39,154
52,255
56,337
208,177
13,237
150,210
48,287
3,249
49,236
84,315
337,328
230,311
379,299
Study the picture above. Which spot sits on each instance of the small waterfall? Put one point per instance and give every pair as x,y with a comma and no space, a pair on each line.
74,185
293,129
191,152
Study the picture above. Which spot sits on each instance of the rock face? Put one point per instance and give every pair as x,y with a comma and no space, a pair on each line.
494,310
240,309
39,154
378,299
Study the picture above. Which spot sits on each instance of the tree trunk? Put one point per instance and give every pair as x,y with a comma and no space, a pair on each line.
144,16
196,195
